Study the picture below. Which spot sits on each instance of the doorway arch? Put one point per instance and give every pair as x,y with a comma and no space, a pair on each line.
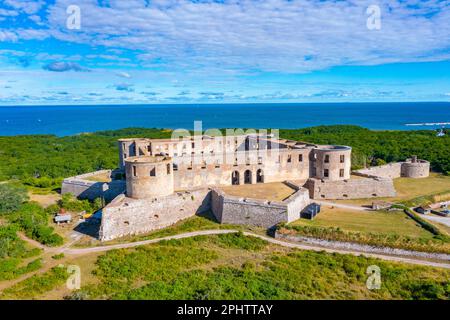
259,176
247,177
235,178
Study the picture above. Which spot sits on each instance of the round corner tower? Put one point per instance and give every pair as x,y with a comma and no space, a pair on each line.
415,168
149,176
332,162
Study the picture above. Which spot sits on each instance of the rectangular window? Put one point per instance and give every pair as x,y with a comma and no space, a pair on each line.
314,172
300,158
153,172
134,171
325,173
342,158
341,173
289,159
327,158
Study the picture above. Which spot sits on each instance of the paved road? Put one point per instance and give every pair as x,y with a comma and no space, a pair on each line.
341,205
82,251
434,218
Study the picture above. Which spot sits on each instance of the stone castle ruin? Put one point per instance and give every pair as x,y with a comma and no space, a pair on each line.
167,180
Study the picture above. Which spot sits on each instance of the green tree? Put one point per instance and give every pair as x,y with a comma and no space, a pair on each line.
11,197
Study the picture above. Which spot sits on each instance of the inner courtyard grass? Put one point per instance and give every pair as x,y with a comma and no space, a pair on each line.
409,188
101,177
394,222
275,191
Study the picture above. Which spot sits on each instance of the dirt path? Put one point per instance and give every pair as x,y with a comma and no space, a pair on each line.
82,251
341,205
34,243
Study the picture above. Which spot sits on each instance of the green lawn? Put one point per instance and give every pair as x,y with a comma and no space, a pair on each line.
409,188
395,222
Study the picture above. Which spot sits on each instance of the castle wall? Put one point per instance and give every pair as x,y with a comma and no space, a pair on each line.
351,189
407,169
245,211
209,170
85,189
391,170
149,176
331,162
419,169
126,216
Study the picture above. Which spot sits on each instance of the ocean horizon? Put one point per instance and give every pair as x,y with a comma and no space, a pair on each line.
64,120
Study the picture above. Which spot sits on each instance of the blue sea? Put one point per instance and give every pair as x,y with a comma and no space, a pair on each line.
68,120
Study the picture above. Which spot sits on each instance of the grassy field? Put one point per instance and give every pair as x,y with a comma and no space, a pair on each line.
230,266
409,188
395,222
384,229
238,267
99,178
275,191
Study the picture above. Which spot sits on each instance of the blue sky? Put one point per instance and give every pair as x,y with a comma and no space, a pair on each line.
180,51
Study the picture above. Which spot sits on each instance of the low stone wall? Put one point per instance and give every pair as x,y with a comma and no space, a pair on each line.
125,216
408,169
245,211
86,189
391,171
363,248
351,189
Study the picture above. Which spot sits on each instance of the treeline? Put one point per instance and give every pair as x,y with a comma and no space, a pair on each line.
377,147
40,160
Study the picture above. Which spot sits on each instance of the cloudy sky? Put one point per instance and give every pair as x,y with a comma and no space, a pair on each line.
199,51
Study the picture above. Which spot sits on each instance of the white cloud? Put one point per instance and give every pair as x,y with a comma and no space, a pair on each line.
271,35
123,75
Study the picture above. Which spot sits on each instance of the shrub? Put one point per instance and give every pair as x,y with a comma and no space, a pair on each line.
11,197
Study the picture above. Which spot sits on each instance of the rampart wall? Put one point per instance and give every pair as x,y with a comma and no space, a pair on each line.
126,216
351,189
391,170
246,211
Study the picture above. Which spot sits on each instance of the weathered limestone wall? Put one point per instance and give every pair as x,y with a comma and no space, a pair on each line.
234,210
391,170
331,162
85,189
127,216
216,169
351,189
411,168
419,169
149,176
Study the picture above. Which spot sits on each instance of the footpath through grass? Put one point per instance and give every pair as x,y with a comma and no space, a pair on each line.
233,266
